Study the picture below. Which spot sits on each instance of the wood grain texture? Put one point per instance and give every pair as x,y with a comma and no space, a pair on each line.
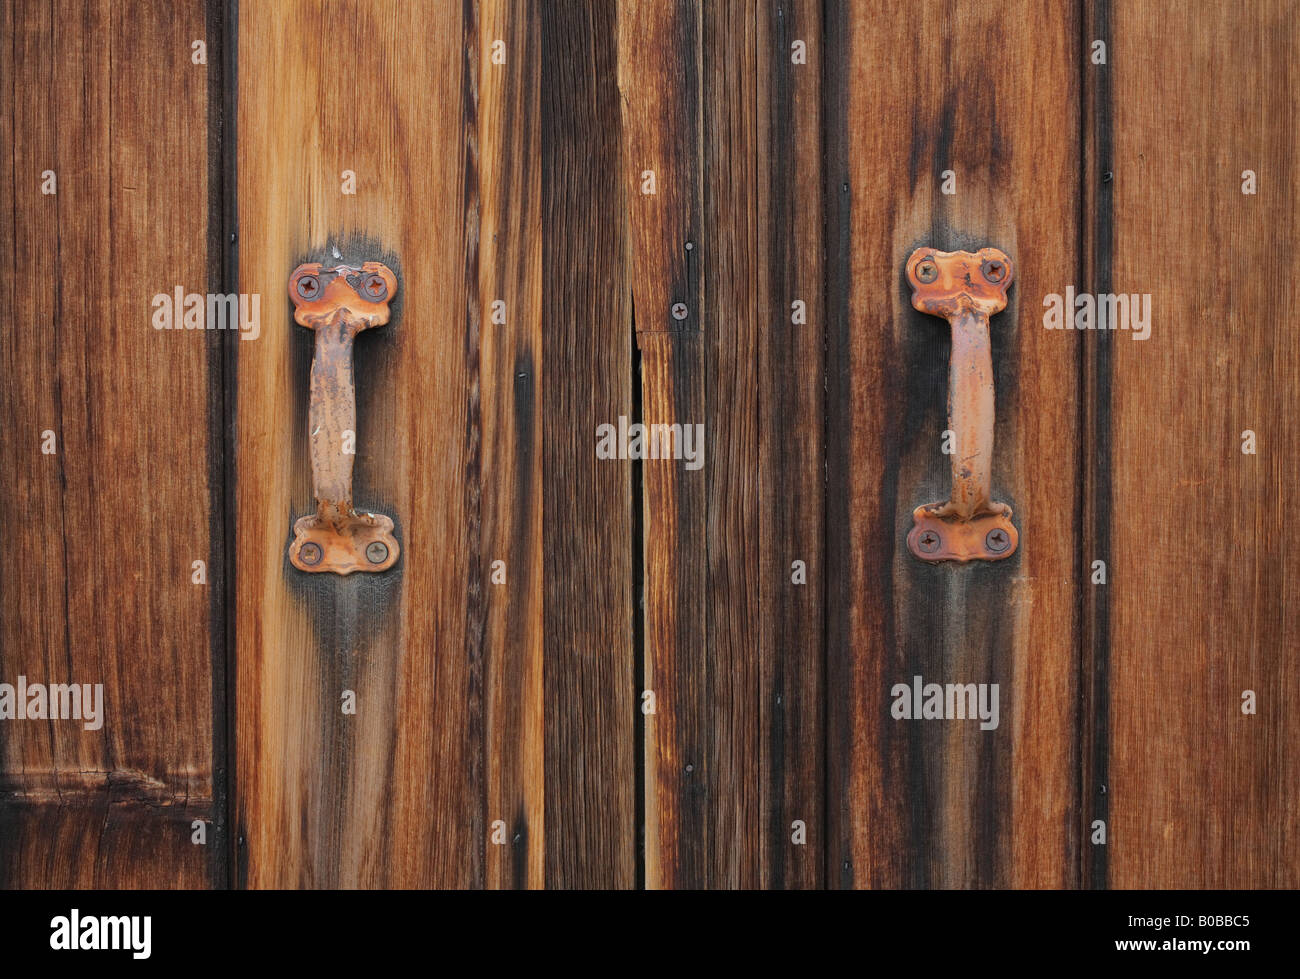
791,427
659,79
394,795
729,259
992,95
95,578
591,688
1203,583
610,209
1096,258
688,78
510,169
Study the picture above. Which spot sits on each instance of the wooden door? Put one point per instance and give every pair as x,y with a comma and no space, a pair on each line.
665,672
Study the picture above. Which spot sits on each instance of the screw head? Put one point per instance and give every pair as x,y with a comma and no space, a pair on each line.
997,540
377,552
994,270
309,553
679,311
374,288
928,541
308,287
927,271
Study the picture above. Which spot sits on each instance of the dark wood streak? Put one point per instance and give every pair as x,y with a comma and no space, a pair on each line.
792,461
1096,256
592,693
841,718
219,23
472,448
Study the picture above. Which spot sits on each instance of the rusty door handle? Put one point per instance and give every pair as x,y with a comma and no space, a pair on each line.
338,303
965,289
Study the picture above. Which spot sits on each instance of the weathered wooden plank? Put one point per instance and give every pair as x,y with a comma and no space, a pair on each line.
1202,590
393,795
659,78
509,301
935,803
682,780
591,687
789,278
96,578
729,253
692,121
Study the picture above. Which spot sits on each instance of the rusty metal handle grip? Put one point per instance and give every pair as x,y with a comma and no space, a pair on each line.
965,288
337,304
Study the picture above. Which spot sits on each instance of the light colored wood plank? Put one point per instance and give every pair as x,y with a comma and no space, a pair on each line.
393,796
1202,584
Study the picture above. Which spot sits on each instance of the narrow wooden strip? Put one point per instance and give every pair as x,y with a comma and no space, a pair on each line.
1096,230
790,427
685,780
592,694
729,259
510,301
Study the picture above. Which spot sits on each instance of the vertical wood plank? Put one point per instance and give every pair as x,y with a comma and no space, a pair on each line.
591,690
96,576
1096,234
688,77
728,251
509,301
395,794
659,83
791,432
1202,583
990,94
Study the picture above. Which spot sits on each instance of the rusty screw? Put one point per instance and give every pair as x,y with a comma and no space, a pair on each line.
309,553
679,311
374,288
928,541
377,552
996,540
994,270
927,271
309,287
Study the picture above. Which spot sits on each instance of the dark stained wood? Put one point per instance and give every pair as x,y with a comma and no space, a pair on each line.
1096,235
1202,584
792,474
911,91
592,693
95,575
